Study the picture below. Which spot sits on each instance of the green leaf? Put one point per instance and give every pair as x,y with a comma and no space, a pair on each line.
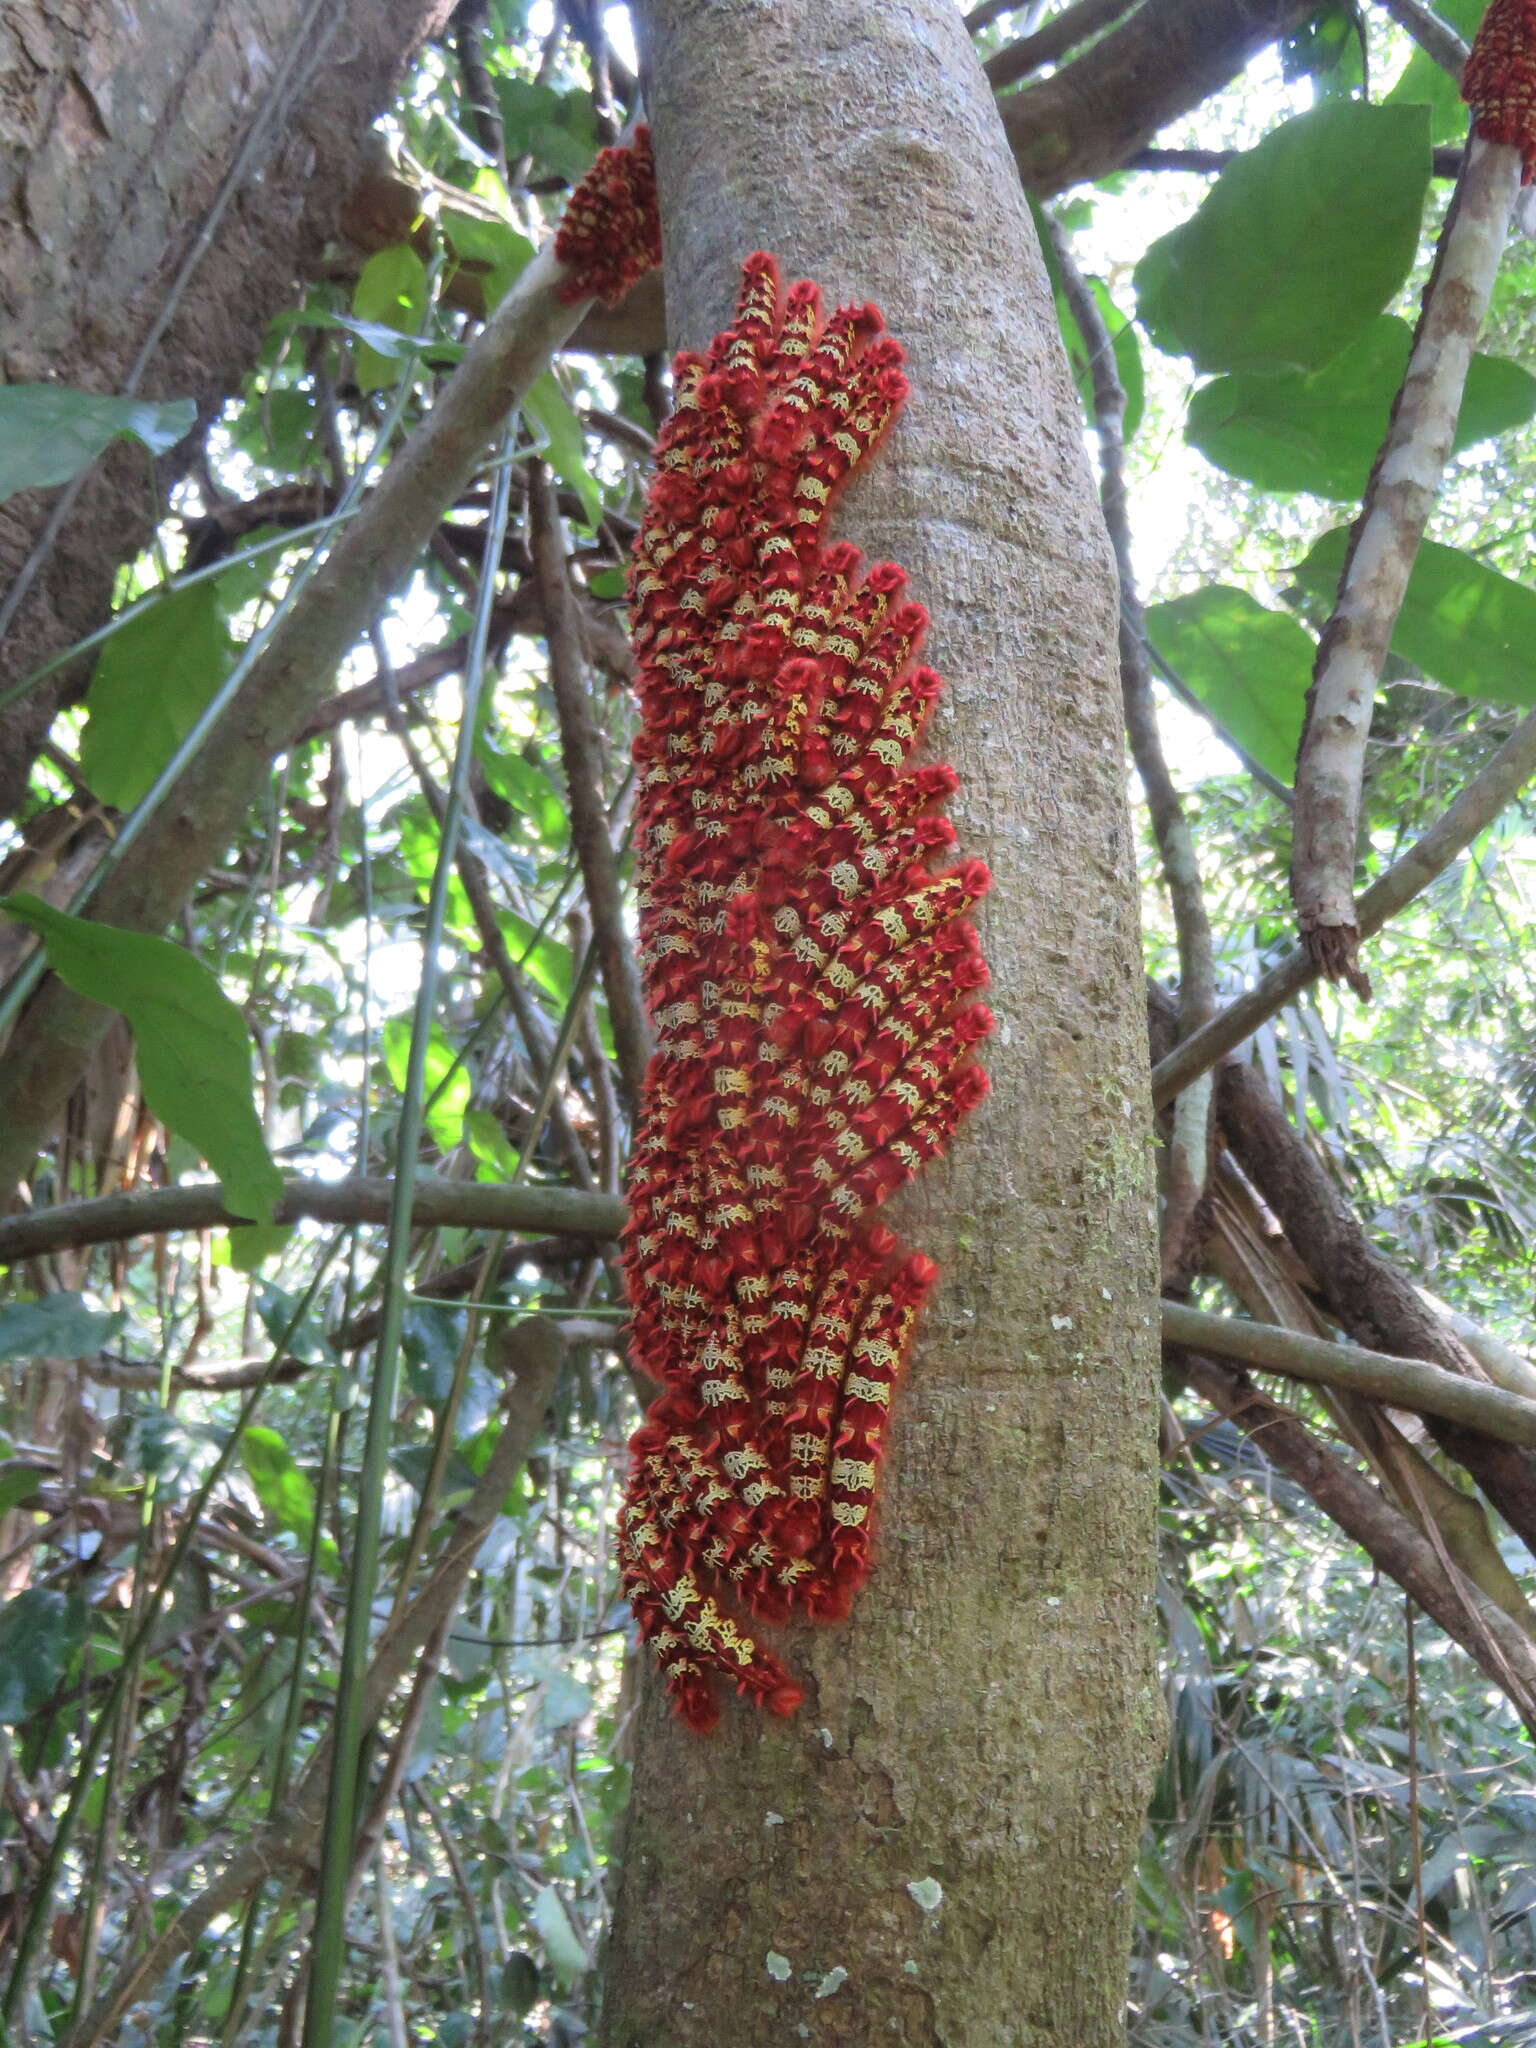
1426,83
151,681
565,446
40,1630
1300,243
488,1141
392,291
518,1985
254,1243
49,433
566,1956
56,1326
19,1480
556,128
1293,430
448,1084
548,962
1249,667
282,1488
1462,623
526,787
499,247
194,1050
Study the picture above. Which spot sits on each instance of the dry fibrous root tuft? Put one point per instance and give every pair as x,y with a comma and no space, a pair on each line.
808,972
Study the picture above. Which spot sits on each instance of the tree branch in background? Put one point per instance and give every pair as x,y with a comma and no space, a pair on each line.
1063,32
1157,64
583,758
1189,1141
1385,540
1495,785
1436,38
1495,1643
1402,1382
371,560
468,1205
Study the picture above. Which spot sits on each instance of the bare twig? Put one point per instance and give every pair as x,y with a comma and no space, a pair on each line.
1188,1147
473,1205
584,786
1063,32
1403,1382
1385,540
1496,784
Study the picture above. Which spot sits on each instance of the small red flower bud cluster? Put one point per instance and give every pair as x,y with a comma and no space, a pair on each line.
1499,82
610,232
809,975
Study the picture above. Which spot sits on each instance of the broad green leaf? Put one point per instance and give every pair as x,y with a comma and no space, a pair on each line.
517,1988
19,1480
555,128
282,1488
545,408
488,1141
567,1958
391,290
1249,667
499,247
40,1630
1319,430
249,1247
194,1051
1326,49
448,1083
524,785
49,433
1298,246
151,681
56,1326
1462,623
548,962
1426,83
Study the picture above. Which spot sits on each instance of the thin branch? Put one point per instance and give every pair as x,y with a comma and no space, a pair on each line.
583,760
1063,32
1495,1643
1189,1147
1383,544
1494,786
1403,1382
1436,38
471,1205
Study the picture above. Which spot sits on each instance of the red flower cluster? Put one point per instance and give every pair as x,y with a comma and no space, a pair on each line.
610,232
808,975
1499,83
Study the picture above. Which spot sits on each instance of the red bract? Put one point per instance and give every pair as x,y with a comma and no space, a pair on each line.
806,970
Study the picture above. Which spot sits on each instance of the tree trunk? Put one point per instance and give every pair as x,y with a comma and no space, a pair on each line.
938,1848
127,136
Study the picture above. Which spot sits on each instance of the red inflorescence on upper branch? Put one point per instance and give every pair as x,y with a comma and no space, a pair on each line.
1499,83
808,972
610,232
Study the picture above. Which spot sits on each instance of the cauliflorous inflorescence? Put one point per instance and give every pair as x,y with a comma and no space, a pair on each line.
809,975
610,233
1499,82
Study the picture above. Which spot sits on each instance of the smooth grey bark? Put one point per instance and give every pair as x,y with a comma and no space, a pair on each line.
951,1818
124,131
